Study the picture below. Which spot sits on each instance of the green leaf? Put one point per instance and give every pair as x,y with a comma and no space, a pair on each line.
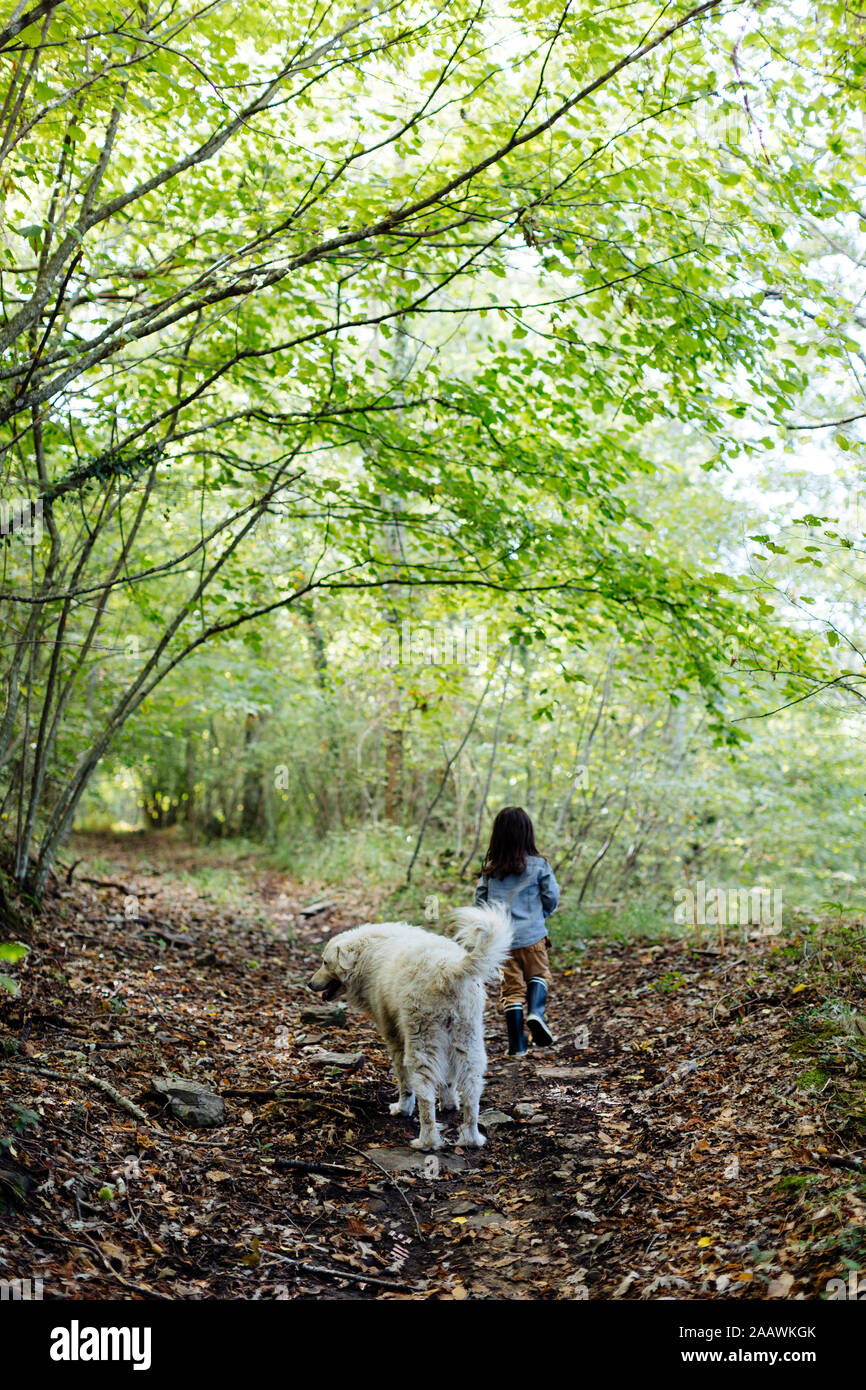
13,951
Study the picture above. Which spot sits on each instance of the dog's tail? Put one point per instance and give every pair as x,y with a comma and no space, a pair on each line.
485,934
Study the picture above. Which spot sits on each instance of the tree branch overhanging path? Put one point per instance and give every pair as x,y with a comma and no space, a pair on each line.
196,318
90,218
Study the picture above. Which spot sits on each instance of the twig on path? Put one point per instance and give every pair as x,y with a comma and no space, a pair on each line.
311,1093
127,1283
161,932
281,1092
613,1206
135,1217
113,1094
392,1179
280,1089
112,883
300,1165
343,1274
316,907
684,1069
724,967
82,1076
167,1137
851,1162
172,1138
109,1090
249,1094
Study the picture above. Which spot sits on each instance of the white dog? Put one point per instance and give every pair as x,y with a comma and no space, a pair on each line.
425,993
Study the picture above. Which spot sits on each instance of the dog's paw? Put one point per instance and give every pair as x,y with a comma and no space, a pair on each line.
428,1141
404,1106
471,1139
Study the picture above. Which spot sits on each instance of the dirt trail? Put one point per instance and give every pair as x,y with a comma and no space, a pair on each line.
662,1149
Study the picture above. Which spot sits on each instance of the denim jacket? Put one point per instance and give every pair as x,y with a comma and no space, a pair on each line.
532,896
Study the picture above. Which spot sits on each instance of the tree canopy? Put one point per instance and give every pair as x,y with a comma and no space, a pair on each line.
306,304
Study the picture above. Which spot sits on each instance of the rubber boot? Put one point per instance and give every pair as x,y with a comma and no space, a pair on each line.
536,998
518,1044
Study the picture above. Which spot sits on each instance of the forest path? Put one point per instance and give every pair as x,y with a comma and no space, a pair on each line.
665,1151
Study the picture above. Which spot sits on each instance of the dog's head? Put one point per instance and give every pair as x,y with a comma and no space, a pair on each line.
338,961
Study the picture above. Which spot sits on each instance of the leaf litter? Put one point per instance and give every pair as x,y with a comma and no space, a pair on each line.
678,1154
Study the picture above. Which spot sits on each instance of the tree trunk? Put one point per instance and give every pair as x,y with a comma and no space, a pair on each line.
393,773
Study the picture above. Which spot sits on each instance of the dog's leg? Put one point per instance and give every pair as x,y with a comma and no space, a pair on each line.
423,1078
470,1083
429,1135
405,1102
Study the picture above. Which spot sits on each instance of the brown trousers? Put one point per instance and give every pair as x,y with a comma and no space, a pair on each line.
519,969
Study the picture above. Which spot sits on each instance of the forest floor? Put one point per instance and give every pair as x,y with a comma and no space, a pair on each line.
697,1132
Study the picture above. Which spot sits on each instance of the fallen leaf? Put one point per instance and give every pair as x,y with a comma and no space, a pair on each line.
781,1287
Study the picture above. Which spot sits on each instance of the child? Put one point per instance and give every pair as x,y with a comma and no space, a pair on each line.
515,874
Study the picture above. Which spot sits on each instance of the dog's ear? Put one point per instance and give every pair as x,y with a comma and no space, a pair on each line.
342,958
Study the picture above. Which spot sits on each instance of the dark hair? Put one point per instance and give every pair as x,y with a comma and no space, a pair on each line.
511,840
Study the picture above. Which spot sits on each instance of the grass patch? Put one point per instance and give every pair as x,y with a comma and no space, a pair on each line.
830,1036
669,981
796,1182
648,921
378,855
812,1080
221,874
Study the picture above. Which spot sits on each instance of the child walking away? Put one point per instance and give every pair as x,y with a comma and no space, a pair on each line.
516,875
